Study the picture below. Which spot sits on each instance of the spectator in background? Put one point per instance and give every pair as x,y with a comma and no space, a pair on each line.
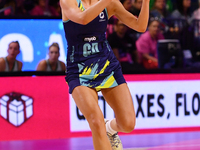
196,24
10,5
196,27
16,7
127,4
20,9
52,63
159,10
123,47
147,44
28,6
2,3
9,63
182,23
54,7
136,7
169,5
183,10
196,13
42,8
113,19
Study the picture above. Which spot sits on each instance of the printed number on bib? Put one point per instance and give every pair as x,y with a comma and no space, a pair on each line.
90,48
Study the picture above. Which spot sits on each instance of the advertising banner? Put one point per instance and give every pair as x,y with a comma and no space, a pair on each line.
39,107
160,102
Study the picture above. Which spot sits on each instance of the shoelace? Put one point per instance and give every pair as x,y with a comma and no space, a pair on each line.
114,139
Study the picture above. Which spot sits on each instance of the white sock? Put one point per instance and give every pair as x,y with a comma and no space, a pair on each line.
109,129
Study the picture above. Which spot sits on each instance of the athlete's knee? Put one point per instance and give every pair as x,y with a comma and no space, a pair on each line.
96,124
128,125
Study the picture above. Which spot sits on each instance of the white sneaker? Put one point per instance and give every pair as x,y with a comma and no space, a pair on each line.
114,140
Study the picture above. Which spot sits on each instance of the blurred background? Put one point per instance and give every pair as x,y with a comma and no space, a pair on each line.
174,32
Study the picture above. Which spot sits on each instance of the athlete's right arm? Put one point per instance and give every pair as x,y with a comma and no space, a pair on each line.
71,11
2,64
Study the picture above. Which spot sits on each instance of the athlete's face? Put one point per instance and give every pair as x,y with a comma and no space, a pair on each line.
53,54
13,50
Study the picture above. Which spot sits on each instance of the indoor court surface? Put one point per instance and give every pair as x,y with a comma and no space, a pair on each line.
156,141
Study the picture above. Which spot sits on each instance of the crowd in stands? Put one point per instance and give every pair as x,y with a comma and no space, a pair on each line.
168,19
49,8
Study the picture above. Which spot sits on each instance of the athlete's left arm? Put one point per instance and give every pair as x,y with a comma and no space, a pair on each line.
139,24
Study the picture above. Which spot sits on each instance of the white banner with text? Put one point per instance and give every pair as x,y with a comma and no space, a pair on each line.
158,104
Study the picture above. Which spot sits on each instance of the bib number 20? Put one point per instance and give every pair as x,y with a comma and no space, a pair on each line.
90,48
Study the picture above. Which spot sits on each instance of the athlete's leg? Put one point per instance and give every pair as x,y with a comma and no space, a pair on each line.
120,100
86,100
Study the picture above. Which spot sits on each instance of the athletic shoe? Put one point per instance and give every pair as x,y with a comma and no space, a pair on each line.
114,140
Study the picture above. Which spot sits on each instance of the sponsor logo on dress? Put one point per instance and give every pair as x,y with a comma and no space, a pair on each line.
102,17
90,39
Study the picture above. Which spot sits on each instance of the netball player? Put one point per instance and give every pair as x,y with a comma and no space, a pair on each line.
92,66
52,63
9,63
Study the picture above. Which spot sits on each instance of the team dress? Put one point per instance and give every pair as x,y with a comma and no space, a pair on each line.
58,66
15,67
90,59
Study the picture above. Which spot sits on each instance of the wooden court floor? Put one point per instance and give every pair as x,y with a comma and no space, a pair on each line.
161,141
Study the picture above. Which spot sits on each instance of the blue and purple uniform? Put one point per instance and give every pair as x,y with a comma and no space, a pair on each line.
90,59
